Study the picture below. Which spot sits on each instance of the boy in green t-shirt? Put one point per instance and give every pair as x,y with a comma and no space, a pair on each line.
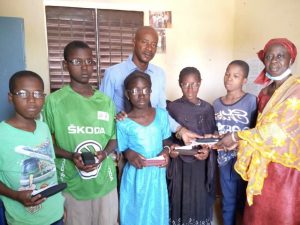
27,157
81,119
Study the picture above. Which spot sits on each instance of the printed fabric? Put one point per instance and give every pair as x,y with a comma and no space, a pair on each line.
27,163
276,138
232,118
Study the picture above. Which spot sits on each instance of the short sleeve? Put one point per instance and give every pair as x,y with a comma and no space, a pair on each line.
47,114
122,136
164,118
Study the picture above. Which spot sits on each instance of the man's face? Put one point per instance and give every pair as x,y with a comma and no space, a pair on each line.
145,44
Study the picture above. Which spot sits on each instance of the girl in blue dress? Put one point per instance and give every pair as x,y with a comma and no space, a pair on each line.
141,136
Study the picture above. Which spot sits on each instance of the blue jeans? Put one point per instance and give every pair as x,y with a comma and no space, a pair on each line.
233,191
58,222
2,214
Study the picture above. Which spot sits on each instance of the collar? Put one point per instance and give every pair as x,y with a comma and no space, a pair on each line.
132,67
184,100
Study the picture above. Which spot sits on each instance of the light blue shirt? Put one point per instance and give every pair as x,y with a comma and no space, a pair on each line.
112,85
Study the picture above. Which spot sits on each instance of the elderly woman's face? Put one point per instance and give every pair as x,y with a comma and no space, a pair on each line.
277,60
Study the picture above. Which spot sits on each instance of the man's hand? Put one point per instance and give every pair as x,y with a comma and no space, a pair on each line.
121,116
134,158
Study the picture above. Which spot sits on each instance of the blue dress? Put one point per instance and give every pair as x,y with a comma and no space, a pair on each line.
143,192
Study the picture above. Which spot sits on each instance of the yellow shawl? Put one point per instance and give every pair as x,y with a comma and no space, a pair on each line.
276,138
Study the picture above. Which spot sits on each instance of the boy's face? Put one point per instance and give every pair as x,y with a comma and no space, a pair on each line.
80,65
190,84
234,78
28,98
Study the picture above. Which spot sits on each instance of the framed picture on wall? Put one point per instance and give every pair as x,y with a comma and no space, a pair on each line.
160,19
161,45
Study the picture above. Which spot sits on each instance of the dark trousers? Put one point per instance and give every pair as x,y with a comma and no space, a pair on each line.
234,192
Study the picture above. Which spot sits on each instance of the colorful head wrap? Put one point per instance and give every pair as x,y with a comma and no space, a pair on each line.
291,48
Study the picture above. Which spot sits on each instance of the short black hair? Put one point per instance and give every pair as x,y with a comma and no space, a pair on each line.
188,70
244,66
74,45
134,75
20,74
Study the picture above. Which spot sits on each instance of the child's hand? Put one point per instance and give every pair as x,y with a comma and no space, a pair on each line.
76,157
121,116
134,158
188,136
167,158
101,155
202,154
25,198
173,154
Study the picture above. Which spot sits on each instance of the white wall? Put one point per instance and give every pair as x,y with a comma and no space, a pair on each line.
256,22
205,34
35,33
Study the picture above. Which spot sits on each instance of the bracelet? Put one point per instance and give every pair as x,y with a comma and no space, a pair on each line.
167,147
233,137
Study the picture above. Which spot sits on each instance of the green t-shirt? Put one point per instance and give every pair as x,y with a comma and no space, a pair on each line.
82,124
27,162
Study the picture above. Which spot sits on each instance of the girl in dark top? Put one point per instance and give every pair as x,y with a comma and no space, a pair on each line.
191,179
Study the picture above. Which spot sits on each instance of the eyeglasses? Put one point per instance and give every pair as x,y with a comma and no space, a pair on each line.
137,91
190,85
25,94
79,62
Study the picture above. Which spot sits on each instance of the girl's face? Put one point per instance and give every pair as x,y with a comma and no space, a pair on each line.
190,84
277,60
27,98
139,93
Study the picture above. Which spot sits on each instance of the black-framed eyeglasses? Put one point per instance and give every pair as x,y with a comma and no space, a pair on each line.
80,62
25,94
190,85
138,91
